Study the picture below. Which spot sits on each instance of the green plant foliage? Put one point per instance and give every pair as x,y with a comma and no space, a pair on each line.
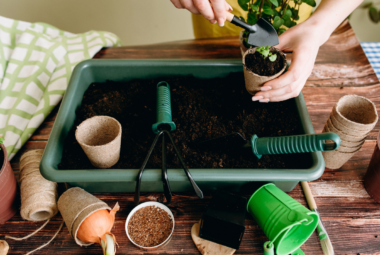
273,57
244,4
373,12
265,52
277,12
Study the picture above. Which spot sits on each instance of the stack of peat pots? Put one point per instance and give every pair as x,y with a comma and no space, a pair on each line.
352,118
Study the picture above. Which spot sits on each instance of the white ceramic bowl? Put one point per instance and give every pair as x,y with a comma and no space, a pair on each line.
146,204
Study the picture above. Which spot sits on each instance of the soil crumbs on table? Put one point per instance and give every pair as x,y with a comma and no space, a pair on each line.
201,108
150,226
256,63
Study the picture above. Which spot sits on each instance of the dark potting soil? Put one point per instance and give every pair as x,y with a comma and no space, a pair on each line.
256,63
1,159
201,108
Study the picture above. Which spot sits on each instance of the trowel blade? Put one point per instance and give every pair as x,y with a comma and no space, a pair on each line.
265,34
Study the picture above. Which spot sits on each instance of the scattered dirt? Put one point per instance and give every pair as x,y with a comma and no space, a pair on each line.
201,108
150,226
256,63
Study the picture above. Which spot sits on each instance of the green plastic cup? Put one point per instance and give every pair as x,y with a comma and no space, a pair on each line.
285,222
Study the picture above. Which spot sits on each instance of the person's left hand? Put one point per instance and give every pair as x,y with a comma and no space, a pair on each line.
304,41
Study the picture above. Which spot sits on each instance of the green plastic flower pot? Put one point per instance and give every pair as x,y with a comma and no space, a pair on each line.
285,222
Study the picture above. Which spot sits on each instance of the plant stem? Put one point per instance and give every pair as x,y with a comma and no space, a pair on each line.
261,6
286,7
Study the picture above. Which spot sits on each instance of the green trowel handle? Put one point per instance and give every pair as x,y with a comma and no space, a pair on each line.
164,109
294,144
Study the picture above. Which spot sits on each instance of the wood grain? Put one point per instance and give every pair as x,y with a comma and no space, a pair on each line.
351,217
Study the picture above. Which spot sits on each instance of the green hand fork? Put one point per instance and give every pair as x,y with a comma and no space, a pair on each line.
164,125
274,145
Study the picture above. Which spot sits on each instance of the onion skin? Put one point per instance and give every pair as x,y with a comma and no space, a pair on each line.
96,226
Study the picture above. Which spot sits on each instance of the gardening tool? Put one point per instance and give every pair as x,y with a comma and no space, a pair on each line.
285,222
260,34
323,236
164,125
273,145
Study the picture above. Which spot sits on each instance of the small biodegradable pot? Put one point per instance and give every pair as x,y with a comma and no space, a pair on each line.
9,201
254,82
355,113
100,139
146,204
75,205
336,159
344,136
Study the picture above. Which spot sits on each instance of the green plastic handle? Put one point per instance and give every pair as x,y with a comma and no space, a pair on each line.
294,144
164,109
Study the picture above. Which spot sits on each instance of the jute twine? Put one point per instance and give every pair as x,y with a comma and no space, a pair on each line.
38,195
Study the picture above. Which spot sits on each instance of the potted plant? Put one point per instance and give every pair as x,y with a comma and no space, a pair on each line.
8,186
262,64
280,13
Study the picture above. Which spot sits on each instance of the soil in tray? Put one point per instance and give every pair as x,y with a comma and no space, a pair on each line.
256,63
201,108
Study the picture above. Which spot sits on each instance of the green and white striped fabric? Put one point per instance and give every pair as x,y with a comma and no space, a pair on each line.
36,62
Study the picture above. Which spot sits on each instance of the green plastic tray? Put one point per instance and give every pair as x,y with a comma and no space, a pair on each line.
124,180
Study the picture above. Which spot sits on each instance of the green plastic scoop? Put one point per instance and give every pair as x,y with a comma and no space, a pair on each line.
273,145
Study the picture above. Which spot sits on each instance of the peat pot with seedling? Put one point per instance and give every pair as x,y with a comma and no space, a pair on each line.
8,186
262,64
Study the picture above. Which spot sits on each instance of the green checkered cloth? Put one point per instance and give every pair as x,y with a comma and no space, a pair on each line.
36,61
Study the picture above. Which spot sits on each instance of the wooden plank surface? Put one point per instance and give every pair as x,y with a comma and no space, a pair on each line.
351,217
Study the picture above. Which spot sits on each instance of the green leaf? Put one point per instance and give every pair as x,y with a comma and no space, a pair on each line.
268,11
289,23
255,7
243,4
242,18
281,30
277,22
373,14
312,3
287,15
274,2
273,57
295,14
252,18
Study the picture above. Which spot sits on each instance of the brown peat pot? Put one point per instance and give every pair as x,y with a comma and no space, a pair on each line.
8,188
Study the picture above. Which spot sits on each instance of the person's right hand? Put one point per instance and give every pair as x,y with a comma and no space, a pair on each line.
213,10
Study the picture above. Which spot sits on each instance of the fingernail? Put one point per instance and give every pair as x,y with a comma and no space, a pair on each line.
221,22
213,21
230,8
266,88
266,100
255,98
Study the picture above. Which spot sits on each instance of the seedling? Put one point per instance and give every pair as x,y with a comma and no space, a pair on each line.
1,140
265,51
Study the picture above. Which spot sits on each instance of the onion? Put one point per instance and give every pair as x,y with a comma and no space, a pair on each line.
96,228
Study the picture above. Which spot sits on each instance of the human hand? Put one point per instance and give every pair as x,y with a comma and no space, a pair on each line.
304,41
213,10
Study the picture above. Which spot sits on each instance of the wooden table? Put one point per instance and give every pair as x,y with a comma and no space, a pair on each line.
351,217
